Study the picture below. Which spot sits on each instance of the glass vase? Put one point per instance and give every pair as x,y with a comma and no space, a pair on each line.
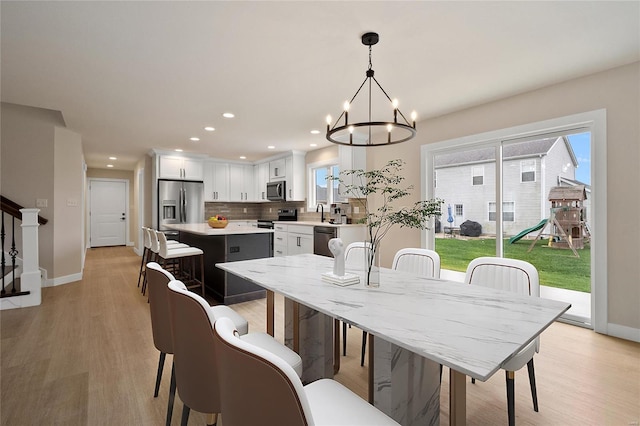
372,267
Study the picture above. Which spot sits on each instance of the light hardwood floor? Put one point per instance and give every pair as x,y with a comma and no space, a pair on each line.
86,357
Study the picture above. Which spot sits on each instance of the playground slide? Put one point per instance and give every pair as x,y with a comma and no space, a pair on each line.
528,230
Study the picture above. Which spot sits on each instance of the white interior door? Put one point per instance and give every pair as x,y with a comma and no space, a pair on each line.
108,210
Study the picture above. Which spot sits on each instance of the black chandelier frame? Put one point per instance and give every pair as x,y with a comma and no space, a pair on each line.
370,39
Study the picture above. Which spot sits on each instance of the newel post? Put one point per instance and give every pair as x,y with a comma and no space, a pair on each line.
30,280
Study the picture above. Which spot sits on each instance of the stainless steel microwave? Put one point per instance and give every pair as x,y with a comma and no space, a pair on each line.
276,191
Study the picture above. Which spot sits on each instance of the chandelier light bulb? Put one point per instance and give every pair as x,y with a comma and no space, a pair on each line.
328,123
414,115
395,104
346,113
351,135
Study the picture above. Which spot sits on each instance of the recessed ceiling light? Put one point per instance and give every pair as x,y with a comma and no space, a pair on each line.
315,132
313,144
242,157
109,165
112,158
209,129
271,147
228,115
194,139
178,150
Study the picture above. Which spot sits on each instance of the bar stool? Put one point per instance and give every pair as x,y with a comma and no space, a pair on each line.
145,252
151,240
179,255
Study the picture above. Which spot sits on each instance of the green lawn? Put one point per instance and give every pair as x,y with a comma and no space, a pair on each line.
557,267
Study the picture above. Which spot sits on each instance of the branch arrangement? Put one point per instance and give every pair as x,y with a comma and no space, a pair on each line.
387,183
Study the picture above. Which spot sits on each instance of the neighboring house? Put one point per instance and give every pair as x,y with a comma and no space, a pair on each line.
466,181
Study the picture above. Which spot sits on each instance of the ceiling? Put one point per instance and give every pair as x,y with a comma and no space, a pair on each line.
131,76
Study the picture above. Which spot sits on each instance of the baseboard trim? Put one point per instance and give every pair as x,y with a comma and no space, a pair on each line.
624,332
63,280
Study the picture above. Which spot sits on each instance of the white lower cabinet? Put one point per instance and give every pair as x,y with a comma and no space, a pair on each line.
279,240
292,239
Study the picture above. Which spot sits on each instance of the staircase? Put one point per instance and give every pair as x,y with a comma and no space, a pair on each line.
21,278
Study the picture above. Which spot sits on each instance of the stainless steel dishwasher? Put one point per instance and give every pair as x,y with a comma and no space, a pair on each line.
321,237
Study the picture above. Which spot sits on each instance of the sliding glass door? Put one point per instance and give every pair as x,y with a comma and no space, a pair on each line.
527,198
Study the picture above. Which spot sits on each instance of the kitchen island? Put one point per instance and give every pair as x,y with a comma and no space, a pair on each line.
228,244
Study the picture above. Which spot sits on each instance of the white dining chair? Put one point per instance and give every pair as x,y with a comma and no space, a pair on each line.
354,256
417,261
258,387
520,277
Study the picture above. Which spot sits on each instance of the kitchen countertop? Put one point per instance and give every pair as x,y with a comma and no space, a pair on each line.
313,223
205,229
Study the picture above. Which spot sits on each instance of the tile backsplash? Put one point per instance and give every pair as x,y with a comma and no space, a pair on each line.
268,211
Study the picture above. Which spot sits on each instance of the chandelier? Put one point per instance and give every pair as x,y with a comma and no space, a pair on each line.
363,131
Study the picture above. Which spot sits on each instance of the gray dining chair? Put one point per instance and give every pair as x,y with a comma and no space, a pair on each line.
196,372
158,280
259,388
520,277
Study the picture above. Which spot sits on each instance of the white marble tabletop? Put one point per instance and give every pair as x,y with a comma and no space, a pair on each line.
471,329
205,229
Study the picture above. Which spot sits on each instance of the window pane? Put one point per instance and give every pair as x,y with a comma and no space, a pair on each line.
335,171
528,176
321,185
478,175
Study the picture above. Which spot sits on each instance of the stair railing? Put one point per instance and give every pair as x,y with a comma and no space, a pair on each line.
30,221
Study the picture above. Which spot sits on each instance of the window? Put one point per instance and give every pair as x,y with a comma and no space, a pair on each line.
477,174
459,210
528,171
321,190
508,211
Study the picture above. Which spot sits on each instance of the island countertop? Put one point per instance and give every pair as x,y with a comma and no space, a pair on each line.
205,229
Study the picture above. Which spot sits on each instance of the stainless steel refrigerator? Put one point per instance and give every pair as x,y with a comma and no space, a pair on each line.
179,201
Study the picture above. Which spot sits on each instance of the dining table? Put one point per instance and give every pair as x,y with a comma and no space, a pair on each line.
415,324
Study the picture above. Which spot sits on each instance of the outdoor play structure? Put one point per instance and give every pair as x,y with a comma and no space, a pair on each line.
567,227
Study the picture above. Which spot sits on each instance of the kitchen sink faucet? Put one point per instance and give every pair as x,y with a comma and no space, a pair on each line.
321,207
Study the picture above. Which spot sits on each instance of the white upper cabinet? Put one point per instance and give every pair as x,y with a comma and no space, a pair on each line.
241,182
350,158
277,169
175,167
216,181
295,177
261,176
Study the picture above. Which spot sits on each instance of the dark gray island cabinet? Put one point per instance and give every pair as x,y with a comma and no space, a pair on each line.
229,244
